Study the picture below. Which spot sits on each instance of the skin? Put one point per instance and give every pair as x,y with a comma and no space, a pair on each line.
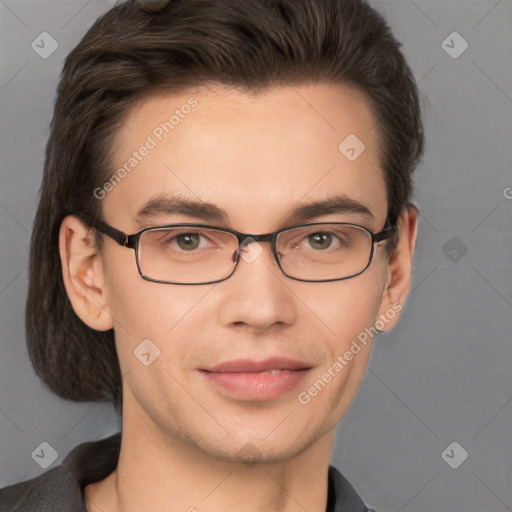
258,158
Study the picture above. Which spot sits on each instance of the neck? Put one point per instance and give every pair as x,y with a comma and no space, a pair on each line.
159,472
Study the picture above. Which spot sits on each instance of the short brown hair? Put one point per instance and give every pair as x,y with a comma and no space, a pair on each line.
128,55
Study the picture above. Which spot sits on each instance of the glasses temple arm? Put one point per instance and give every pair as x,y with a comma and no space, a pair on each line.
116,235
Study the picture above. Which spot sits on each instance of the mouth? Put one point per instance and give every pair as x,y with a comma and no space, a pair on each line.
256,380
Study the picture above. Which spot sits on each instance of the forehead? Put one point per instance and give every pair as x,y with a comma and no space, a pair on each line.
255,156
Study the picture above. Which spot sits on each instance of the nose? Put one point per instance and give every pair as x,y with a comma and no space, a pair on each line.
257,294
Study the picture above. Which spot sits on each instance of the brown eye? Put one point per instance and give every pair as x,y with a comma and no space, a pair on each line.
188,241
320,240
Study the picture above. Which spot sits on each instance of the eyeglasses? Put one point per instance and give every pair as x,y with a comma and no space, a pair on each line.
152,6
203,254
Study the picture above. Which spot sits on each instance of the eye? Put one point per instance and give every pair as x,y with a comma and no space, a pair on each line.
320,240
188,241
313,239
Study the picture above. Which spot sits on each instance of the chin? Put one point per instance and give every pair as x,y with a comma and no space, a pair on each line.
256,449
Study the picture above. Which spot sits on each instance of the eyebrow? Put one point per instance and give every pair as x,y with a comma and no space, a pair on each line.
167,204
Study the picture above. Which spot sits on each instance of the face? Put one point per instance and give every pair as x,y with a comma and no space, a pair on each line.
258,159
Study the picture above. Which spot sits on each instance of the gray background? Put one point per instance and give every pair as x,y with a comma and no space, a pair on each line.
442,375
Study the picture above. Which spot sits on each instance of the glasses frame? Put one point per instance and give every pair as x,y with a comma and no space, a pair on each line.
132,242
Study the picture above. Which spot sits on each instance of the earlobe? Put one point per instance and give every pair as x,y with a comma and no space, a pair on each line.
399,270
83,274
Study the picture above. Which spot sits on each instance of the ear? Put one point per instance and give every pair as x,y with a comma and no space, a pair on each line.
399,270
83,274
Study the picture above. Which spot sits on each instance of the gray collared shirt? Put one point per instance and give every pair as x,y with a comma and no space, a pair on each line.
61,489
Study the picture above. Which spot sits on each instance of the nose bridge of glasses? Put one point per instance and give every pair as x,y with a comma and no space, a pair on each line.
245,239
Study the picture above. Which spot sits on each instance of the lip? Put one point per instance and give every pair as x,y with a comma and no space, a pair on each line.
247,379
252,366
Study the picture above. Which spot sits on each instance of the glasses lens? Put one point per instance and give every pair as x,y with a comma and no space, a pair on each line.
324,251
192,255
152,6
186,254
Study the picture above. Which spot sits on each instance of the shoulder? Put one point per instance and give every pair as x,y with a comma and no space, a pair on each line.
342,496
51,491
61,488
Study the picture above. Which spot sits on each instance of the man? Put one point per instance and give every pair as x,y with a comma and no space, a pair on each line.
224,224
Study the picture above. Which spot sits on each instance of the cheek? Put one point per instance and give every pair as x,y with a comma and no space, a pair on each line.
140,308
345,308
134,302
146,310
